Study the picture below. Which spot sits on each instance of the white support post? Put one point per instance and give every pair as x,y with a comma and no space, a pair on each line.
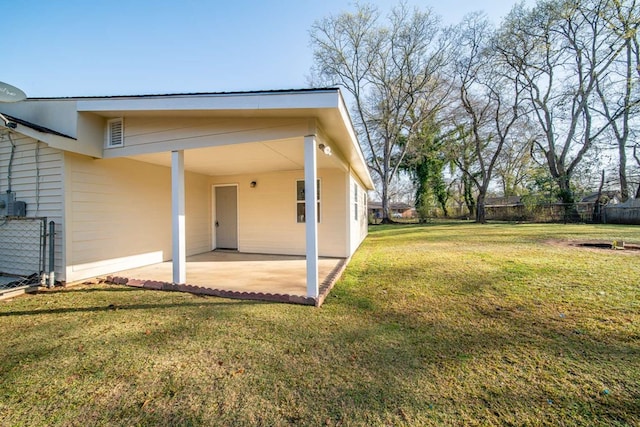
178,218
311,213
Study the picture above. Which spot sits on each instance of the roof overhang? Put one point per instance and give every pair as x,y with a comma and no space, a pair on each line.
324,107
41,133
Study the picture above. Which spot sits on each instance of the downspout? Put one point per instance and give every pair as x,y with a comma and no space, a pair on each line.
10,166
52,251
43,253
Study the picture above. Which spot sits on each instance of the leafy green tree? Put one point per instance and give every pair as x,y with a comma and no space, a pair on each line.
425,162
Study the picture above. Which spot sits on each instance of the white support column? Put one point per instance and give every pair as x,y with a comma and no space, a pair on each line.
311,213
178,217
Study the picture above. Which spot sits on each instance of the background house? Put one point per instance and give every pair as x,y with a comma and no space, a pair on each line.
397,210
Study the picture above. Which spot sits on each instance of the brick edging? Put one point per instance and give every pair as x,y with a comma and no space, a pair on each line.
324,289
200,290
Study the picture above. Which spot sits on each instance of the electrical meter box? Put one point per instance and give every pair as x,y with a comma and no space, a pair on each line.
6,199
10,207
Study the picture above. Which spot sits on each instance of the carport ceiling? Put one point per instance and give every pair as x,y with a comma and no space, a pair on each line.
256,157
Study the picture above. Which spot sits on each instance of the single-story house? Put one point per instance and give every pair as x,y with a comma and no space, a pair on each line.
606,197
136,180
503,201
398,210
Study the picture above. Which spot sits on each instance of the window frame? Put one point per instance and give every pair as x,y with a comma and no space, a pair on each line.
355,200
302,218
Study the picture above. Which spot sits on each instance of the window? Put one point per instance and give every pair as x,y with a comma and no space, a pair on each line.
355,201
115,133
365,203
300,201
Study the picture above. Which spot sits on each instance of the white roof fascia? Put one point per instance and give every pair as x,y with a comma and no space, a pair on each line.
360,164
322,99
244,101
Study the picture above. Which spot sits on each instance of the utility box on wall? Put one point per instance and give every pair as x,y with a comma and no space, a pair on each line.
5,200
10,207
17,209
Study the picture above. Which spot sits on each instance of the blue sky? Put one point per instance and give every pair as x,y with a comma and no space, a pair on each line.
95,47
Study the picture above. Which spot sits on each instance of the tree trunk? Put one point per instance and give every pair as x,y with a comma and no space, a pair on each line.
568,200
445,211
624,183
597,207
468,196
622,138
481,217
635,156
385,204
566,194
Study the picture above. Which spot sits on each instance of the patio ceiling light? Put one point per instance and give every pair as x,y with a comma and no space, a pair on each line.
325,149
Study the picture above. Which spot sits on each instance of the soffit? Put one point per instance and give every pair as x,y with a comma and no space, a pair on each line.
240,159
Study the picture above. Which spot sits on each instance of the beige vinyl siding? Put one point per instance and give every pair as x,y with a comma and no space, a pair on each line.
37,180
332,239
198,213
358,228
120,215
267,213
160,134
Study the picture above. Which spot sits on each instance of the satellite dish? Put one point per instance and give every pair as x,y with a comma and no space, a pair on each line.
10,93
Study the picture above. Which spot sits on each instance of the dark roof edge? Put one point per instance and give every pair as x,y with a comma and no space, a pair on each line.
36,127
169,95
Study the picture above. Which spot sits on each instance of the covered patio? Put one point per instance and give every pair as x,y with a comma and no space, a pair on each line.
146,183
230,274
268,173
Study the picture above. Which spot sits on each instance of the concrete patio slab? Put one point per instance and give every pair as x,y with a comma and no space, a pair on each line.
238,275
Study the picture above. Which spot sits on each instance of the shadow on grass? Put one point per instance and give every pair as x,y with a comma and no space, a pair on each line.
407,356
468,362
500,360
125,307
85,290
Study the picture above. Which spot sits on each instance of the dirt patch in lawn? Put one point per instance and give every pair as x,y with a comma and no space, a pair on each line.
616,246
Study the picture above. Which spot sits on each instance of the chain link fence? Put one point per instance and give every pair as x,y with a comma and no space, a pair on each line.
546,212
580,212
22,251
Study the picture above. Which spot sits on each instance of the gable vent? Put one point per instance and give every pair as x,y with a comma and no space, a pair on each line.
115,133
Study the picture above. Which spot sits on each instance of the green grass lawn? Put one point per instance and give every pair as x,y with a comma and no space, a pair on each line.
441,324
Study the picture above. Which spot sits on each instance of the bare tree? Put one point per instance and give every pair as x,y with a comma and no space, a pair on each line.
636,156
491,100
514,166
618,88
557,50
459,150
394,72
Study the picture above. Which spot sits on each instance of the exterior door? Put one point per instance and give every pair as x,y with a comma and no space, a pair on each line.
226,220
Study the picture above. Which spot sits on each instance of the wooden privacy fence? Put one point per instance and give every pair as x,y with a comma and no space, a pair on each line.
623,213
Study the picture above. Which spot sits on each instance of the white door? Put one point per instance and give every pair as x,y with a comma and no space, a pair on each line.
226,220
